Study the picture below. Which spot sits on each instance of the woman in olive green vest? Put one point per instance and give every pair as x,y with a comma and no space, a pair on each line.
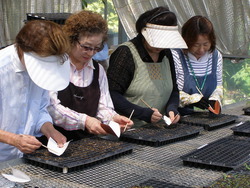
142,69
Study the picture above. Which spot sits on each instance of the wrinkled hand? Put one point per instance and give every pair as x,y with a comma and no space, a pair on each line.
174,118
156,116
123,121
93,125
26,143
202,104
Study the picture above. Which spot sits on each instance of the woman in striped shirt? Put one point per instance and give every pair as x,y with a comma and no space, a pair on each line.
199,68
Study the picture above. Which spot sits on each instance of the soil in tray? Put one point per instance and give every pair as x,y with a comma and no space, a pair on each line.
207,120
81,152
159,134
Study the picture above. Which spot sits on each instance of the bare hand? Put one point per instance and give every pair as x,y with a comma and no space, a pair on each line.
123,122
93,125
59,138
26,143
174,118
156,116
49,131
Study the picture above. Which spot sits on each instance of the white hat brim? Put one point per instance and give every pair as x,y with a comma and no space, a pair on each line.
159,36
50,73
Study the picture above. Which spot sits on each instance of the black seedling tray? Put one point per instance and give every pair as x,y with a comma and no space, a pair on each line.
224,154
153,183
159,134
246,111
79,154
242,129
207,120
59,18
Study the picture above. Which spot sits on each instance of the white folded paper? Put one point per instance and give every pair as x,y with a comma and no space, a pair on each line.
53,147
17,176
167,120
116,128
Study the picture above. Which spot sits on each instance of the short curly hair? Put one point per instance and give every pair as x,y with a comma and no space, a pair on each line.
85,23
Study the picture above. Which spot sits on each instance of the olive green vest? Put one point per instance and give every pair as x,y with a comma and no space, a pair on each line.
152,82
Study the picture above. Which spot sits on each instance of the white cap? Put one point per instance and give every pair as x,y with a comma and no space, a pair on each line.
160,36
50,73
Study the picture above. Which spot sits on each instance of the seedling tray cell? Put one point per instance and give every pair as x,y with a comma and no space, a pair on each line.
242,129
79,154
154,183
208,120
224,154
159,134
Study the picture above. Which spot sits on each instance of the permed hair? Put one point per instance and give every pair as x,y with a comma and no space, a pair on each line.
85,23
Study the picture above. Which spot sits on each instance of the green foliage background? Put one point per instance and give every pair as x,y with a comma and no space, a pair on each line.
98,6
236,81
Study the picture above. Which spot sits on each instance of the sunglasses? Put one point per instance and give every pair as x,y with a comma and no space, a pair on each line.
88,49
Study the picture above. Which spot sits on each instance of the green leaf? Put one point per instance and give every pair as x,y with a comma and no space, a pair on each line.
84,4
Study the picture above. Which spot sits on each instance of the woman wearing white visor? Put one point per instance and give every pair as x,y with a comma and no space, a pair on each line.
37,62
142,69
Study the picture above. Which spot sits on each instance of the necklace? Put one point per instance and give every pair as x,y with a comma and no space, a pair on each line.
194,76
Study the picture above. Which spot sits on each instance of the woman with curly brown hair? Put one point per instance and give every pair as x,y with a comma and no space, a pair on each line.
86,103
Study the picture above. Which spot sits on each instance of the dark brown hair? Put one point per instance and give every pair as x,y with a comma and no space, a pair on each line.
85,23
45,38
195,26
159,16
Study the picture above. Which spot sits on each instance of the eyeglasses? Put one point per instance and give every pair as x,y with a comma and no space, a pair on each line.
87,48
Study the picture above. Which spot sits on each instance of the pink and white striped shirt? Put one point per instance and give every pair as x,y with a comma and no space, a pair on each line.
71,120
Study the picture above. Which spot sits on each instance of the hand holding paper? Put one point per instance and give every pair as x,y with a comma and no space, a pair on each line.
112,128
53,147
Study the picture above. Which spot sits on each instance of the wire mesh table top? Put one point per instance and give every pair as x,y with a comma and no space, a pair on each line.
144,165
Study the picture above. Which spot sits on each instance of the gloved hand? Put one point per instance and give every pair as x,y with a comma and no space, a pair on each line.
212,102
202,104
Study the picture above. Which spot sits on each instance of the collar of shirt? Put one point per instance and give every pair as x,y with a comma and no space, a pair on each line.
89,65
203,59
82,77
